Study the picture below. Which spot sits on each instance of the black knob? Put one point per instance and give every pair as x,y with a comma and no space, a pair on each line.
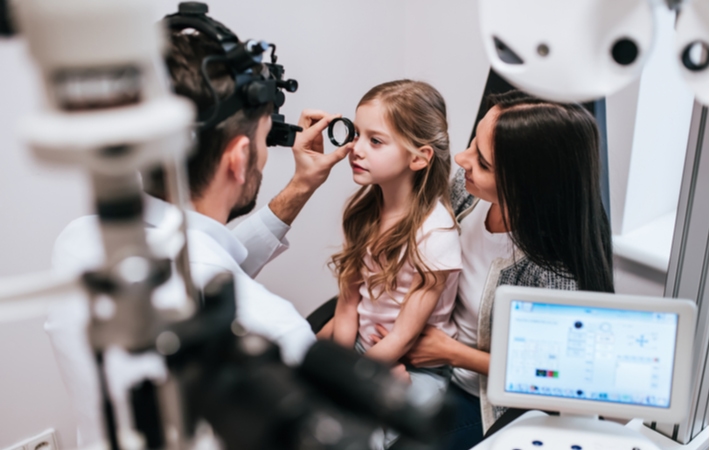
256,47
695,56
194,8
291,85
279,99
624,51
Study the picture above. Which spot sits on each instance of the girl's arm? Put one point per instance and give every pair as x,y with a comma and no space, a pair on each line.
326,333
410,322
436,348
346,320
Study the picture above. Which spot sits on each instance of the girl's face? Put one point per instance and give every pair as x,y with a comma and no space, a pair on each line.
376,156
477,160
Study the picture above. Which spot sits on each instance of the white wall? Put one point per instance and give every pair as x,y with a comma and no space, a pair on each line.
36,201
32,395
665,104
423,41
648,124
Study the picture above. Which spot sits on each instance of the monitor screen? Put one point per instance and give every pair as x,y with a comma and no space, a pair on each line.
591,353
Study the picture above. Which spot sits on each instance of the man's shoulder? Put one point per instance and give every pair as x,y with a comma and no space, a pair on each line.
208,258
78,247
81,224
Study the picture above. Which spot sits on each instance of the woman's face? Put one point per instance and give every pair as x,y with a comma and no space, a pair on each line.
477,160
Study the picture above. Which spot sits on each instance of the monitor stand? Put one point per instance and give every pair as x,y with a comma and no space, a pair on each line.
536,430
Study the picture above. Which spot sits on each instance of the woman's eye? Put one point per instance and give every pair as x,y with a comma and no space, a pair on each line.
482,165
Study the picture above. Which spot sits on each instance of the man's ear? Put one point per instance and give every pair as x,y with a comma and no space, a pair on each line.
236,157
421,161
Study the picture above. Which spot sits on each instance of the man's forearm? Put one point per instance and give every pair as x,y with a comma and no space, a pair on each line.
290,201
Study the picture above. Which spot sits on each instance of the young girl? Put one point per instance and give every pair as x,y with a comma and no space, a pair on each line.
401,258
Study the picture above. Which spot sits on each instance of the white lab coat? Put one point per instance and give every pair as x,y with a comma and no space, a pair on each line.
213,248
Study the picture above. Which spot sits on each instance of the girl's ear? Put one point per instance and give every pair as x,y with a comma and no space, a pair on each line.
421,161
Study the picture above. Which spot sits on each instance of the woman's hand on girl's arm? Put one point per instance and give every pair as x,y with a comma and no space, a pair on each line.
410,322
436,348
345,320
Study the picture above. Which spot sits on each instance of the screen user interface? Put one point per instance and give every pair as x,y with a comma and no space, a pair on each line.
597,354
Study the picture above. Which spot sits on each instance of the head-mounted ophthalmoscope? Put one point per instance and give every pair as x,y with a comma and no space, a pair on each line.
256,83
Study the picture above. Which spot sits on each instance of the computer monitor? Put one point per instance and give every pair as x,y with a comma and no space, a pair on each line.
591,353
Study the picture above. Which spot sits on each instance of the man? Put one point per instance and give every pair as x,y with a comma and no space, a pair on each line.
225,175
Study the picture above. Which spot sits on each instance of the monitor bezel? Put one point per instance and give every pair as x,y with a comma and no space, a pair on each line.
682,364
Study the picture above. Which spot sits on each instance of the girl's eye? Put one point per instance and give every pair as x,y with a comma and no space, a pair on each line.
375,141
482,164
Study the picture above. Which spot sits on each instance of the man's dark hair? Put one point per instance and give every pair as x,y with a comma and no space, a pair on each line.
187,49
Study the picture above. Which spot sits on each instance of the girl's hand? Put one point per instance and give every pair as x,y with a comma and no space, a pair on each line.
400,372
428,351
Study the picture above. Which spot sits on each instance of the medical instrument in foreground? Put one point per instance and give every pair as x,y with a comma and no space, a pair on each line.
588,49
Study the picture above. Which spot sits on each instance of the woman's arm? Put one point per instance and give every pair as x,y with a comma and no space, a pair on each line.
410,322
436,348
346,320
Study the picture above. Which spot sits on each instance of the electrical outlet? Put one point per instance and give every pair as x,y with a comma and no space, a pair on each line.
46,440
16,447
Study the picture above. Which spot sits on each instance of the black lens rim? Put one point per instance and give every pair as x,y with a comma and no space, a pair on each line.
351,131
687,61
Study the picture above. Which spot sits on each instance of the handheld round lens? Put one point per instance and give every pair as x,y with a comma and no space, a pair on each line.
341,131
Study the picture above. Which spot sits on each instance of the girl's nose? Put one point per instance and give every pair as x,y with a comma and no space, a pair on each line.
356,148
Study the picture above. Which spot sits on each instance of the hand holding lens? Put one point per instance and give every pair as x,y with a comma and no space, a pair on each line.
341,131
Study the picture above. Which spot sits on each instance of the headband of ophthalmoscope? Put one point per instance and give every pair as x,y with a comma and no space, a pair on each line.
251,89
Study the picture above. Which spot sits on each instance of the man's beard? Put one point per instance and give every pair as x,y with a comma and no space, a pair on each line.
248,201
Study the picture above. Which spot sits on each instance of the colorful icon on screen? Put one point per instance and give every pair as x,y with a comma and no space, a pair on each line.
547,373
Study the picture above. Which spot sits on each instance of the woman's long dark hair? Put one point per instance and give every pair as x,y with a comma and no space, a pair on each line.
546,158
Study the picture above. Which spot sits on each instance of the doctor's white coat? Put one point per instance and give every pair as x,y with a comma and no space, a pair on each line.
213,248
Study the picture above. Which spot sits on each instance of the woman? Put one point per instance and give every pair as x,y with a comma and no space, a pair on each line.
530,210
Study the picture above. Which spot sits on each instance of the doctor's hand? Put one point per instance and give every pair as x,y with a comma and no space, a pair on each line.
430,349
312,165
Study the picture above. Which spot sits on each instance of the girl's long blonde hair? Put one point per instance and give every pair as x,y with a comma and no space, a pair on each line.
416,113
